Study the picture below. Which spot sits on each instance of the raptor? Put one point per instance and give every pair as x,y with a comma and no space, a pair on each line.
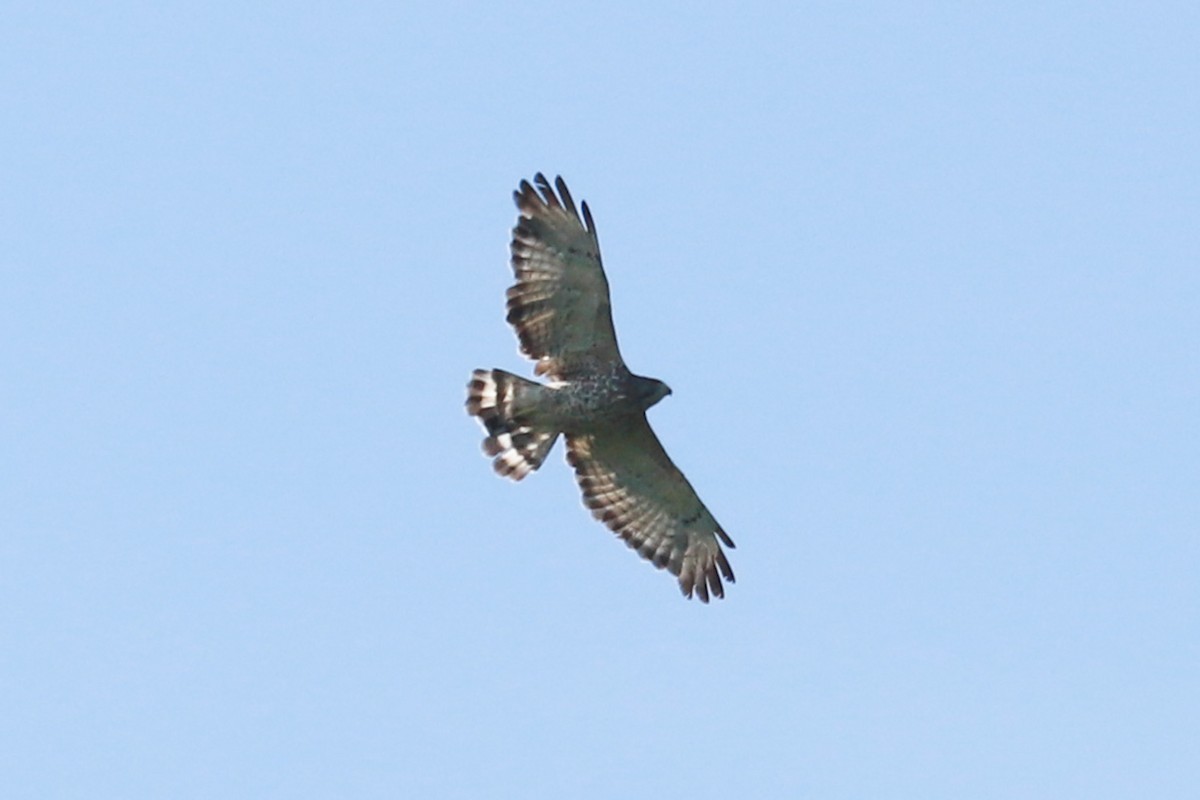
560,309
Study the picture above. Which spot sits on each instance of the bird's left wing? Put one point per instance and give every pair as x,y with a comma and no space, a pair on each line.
634,488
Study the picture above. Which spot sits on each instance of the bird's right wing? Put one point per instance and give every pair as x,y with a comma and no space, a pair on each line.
559,305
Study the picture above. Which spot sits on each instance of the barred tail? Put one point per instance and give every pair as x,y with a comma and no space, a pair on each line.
503,402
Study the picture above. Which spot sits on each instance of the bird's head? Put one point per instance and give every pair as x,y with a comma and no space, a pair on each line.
651,390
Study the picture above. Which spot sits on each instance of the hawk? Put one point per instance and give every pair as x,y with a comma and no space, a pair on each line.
560,309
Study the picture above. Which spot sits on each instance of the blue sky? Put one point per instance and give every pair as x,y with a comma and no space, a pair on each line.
925,280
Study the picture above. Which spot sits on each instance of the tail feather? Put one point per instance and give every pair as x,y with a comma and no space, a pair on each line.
504,402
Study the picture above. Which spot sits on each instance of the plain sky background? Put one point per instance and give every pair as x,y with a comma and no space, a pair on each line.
925,280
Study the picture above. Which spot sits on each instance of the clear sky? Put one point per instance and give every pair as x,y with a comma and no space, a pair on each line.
925,280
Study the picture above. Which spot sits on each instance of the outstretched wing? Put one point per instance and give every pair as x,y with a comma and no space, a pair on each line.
632,486
559,305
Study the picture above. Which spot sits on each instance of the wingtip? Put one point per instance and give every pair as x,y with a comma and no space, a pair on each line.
702,587
724,537
525,197
565,194
587,218
546,190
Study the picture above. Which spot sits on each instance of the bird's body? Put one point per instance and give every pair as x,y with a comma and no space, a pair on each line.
561,311
599,396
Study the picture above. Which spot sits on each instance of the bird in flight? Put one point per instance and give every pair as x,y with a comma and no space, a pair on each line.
559,307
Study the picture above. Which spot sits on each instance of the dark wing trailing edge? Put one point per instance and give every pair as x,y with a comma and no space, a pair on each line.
634,488
559,305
